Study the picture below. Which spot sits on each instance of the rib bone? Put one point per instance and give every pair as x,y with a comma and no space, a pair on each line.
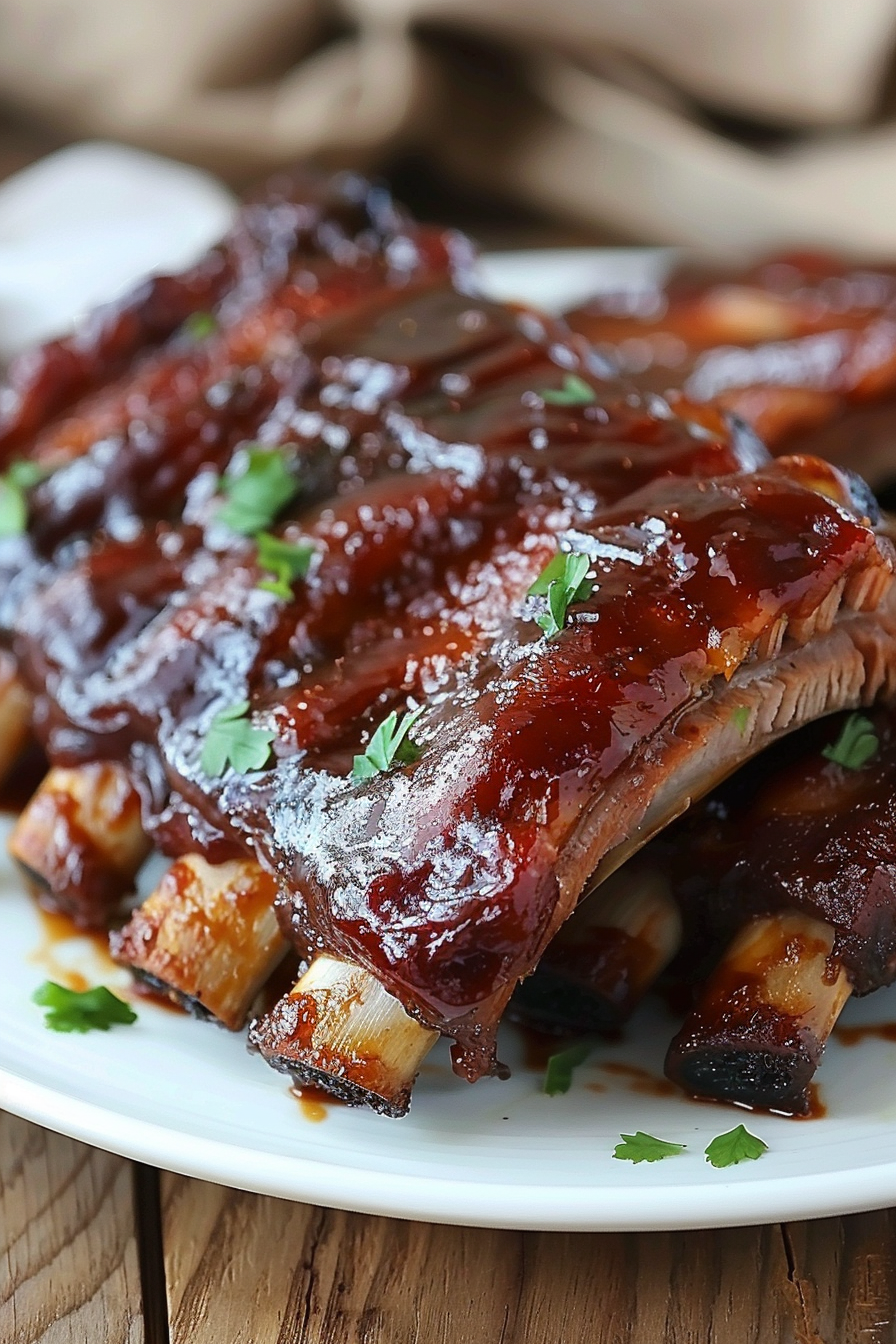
207,937
80,841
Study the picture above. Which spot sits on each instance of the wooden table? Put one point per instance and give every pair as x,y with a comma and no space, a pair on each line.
98,1250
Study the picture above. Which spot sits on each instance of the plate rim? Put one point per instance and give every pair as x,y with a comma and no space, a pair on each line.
650,1208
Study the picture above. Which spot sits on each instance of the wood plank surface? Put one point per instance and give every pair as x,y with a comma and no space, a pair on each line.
69,1270
296,1275
244,1269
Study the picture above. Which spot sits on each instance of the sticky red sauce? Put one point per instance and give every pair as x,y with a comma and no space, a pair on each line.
817,1109
867,1031
539,1046
641,1080
57,929
314,1102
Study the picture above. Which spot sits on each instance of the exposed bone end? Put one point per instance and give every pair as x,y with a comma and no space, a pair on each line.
80,841
207,937
15,714
340,1030
758,1031
605,957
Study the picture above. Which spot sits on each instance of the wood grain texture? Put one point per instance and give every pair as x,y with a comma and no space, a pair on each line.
68,1268
843,1277
250,1270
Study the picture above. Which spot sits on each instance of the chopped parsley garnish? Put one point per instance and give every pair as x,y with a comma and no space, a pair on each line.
232,738
257,494
390,745
738,1145
558,1074
562,581
574,392
15,481
856,744
285,560
199,326
740,717
87,1010
641,1147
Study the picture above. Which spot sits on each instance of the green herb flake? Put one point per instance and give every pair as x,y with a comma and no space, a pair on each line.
562,582
89,1010
558,1074
390,745
199,326
641,1147
14,484
285,560
738,1145
740,717
574,392
232,739
257,494
855,746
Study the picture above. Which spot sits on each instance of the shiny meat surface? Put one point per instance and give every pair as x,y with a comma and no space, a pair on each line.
801,347
432,452
447,878
797,831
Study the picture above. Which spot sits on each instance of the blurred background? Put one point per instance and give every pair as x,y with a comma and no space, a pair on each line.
728,126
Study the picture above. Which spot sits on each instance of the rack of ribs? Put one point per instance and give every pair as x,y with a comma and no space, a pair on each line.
396,623
801,346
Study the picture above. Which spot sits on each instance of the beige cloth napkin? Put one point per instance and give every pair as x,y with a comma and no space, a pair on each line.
611,115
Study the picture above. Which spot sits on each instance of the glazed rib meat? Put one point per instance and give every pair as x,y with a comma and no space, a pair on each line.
549,758
802,347
803,843
433,458
777,892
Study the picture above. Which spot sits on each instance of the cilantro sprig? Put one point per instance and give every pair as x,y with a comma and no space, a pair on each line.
574,392
259,492
285,560
231,738
85,1010
199,326
641,1147
737,1145
856,745
390,745
740,717
562,582
558,1074
15,482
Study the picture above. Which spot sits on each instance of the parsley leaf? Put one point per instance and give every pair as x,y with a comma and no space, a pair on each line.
232,738
199,326
91,1010
286,560
641,1147
15,481
562,581
390,745
574,392
257,494
856,744
740,717
738,1145
558,1075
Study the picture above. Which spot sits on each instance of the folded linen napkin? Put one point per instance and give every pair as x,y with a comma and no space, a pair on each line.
624,114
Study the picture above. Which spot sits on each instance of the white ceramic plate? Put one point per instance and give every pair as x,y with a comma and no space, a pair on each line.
187,1096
